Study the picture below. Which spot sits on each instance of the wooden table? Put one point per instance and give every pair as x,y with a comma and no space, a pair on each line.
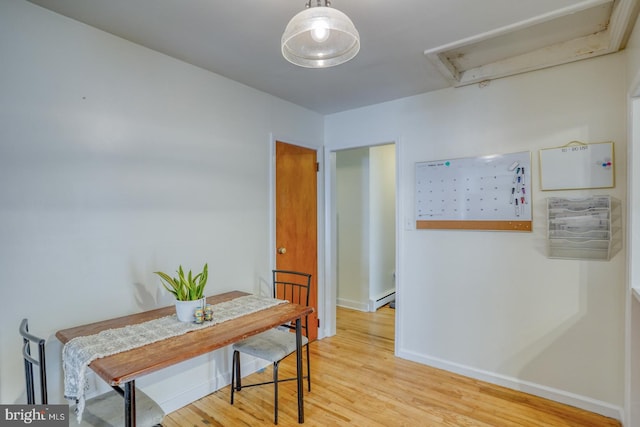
122,369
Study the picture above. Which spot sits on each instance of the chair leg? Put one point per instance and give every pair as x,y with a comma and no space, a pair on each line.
235,373
238,373
275,392
308,369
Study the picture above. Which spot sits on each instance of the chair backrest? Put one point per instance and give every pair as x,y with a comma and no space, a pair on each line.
30,361
294,287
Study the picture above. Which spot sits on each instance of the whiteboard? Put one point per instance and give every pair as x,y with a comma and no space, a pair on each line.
489,192
577,166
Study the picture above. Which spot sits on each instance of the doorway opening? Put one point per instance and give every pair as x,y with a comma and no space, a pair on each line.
364,213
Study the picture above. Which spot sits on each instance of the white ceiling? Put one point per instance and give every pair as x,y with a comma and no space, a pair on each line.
240,39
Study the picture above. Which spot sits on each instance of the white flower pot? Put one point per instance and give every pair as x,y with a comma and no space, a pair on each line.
185,309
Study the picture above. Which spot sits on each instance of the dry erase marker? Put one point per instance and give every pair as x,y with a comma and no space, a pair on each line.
513,190
517,208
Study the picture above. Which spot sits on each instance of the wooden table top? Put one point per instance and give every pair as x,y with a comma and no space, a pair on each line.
129,365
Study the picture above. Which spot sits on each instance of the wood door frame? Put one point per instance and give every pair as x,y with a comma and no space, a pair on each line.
320,206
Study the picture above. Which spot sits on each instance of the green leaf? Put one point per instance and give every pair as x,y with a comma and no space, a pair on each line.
185,288
170,284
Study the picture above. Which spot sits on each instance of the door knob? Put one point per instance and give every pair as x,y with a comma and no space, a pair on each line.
282,251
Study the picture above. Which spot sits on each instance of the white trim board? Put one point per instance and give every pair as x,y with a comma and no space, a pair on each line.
584,30
583,402
355,305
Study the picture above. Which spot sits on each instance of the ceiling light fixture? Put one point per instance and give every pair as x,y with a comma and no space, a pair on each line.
320,37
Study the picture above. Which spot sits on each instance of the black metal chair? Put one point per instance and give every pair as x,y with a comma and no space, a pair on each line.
106,410
276,344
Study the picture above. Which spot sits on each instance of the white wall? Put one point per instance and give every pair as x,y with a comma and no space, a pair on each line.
382,223
352,194
632,402
632,390
491,304
117,161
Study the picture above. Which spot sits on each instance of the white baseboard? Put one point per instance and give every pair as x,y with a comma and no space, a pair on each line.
356,305
372,305
583,402
208,386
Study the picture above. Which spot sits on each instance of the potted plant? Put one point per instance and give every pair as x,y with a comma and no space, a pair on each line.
188,290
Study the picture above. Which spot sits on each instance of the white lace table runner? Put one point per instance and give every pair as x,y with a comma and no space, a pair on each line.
79,352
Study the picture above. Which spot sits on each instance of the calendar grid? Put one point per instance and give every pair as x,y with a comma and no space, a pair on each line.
490,188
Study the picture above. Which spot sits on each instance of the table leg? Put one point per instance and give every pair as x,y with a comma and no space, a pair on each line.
130,404
299,371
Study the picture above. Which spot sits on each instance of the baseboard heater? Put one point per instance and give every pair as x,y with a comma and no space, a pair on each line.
384,299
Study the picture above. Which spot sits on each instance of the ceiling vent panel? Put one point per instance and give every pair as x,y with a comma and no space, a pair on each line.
586,30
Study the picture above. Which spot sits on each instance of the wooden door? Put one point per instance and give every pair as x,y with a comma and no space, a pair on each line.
296,217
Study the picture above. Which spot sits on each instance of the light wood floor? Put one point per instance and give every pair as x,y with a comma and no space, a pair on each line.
357,381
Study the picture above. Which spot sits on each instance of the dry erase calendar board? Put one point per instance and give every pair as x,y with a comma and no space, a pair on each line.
475,193
577,166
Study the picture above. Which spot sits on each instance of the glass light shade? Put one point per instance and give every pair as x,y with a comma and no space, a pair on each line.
320,37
